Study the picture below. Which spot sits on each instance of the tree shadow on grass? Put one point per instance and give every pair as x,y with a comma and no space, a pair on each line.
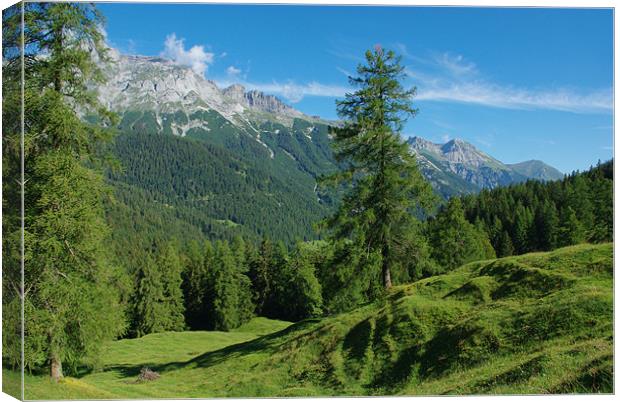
263,343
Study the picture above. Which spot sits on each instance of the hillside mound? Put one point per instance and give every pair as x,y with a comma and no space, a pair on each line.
537,323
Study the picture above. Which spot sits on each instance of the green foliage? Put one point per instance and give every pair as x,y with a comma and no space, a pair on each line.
539,216
297,290
218,189
387,186
571,230
454,240
72,289
197,259
260,275
169,264
349,276
228,291
149,302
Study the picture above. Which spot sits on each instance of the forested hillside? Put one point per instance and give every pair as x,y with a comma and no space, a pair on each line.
215,189
539,216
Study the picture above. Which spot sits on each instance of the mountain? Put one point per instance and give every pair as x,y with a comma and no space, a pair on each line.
458,167
539,170
226,161
222,161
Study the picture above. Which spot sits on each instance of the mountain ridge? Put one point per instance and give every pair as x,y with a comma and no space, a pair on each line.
458,166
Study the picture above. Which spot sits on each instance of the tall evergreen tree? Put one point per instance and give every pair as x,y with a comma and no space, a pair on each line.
300,290
260,275
150,313
70,285
229,298
547,224
387,186
505,247
195,282
169,264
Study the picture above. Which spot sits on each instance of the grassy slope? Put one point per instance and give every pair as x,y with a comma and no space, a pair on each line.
536,323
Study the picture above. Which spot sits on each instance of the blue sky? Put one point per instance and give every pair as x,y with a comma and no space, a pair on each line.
517,83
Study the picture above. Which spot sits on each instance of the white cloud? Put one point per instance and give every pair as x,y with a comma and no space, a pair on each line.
233,71
347,73
448,77
483,93
455,64
196,57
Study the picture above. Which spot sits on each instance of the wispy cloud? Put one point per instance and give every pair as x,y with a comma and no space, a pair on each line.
196,57
487,94
233,71
455,64
449,77
346,73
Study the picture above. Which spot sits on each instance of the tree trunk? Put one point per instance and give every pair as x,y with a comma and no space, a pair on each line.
387,277
55,368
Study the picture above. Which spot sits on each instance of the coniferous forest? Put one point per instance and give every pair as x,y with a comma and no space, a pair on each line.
135,238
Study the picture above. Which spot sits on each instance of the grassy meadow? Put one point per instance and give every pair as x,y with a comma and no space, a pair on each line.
531,324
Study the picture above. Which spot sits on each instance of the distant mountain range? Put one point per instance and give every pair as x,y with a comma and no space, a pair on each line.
458,167
263,181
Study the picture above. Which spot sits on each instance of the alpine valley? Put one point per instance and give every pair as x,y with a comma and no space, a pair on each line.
199,160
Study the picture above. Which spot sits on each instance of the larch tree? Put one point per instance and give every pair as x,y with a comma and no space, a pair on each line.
70,298
387,188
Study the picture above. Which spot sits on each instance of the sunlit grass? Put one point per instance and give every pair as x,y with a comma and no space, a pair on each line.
538,323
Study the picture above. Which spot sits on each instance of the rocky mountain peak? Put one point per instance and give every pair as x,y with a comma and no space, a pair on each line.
162,86
420,144
235,92
459,151
267,103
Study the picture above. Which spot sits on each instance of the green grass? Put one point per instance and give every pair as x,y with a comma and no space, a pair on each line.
538,323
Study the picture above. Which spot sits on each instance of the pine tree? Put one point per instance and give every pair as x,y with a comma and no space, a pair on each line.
412,255
229,303
523,221
454,240
68,276
505,247
195,282
260,275
571,230
603,205
547,225
578,198
387,186
301,292
169,265
149,300
349,276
